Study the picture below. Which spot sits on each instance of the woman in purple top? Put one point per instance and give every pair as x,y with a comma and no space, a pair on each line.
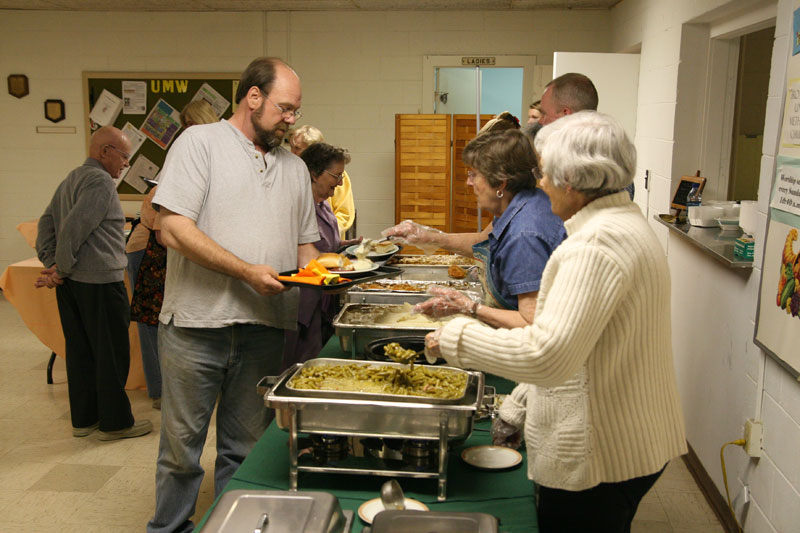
316,310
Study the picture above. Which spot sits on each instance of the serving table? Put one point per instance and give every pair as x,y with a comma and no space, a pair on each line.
508,495
39,311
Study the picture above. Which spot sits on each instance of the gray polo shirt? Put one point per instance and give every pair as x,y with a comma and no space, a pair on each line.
258,207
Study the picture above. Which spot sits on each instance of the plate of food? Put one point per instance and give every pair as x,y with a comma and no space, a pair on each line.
370,508
491,457
344,266
377,251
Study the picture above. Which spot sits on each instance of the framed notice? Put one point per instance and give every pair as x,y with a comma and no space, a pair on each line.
683,190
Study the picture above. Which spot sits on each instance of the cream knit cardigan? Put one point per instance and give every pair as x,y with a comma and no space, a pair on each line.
598,398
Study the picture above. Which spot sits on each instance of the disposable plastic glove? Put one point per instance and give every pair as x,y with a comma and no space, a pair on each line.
408,231
445,302
432,350
505,434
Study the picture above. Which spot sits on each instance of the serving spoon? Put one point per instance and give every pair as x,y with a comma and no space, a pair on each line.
392,496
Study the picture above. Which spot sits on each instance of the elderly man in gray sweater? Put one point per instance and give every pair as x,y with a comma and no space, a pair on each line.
82,246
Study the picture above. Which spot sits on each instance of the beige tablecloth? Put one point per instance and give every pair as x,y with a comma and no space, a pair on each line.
39,311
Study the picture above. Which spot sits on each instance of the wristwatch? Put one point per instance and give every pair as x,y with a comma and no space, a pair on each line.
474,311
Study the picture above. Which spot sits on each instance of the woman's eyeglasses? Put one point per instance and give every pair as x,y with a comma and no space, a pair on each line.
339,177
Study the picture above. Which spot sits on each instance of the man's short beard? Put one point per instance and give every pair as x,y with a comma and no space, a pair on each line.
266,139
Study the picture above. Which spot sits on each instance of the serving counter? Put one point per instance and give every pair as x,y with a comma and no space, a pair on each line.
508,495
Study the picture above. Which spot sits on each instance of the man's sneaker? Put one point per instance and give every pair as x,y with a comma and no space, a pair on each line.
157,403
139,428
85,432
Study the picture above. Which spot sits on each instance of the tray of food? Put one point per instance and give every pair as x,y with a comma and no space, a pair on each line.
433,267
414,286
358,324
290,278
394,291
379,381
374,414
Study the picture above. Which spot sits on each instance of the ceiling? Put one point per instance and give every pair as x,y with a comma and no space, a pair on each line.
302,5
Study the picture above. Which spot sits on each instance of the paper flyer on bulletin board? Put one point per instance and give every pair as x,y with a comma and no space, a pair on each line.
778,314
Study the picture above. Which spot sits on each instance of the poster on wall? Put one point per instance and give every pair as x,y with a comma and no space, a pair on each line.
162,124
778,316
778,313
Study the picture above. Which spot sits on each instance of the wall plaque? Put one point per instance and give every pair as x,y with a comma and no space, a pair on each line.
54,110
18,85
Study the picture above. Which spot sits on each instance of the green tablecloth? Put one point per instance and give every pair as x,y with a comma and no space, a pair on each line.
507,495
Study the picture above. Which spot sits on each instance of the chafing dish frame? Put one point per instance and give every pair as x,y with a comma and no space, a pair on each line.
377,415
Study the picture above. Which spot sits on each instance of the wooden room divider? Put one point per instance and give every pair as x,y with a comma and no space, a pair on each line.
430,177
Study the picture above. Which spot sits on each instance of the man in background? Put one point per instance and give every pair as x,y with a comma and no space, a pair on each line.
568,94
81,243
235,210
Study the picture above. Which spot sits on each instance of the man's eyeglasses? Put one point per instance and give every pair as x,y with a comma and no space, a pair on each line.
125,156
339,177
285,113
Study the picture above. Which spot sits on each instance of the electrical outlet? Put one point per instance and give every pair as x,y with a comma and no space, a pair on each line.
753,437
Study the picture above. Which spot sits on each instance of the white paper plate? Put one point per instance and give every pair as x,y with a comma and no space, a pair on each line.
491,457
344,273
370,508
351,250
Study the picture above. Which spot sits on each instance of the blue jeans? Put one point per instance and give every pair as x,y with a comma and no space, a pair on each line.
148,336
198,366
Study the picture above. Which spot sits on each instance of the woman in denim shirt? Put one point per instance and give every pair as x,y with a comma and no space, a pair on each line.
513,248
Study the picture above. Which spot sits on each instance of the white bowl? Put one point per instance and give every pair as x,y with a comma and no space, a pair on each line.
729,224
705,216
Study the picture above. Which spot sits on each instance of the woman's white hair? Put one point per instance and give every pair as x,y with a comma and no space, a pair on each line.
589,151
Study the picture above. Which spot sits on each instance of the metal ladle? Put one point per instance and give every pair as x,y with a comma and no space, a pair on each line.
392,496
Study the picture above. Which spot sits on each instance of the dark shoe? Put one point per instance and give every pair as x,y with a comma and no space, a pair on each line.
157,403
139,428
85,432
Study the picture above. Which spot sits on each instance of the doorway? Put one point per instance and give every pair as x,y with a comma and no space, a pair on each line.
456,90
750,108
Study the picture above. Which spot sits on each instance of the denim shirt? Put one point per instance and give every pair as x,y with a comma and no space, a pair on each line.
521,241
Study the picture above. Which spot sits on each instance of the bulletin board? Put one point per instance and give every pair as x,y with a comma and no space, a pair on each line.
778,314
146,106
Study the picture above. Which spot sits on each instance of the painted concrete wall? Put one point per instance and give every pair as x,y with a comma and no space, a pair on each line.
357,69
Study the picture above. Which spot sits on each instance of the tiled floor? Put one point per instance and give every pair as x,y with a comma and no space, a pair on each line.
51,481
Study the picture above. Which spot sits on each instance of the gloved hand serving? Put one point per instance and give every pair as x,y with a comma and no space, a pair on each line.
425,237
446,302
505,434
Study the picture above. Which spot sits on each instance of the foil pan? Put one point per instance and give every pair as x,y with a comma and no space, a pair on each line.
358,324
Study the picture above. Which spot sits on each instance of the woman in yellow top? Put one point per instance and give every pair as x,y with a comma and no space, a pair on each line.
342,201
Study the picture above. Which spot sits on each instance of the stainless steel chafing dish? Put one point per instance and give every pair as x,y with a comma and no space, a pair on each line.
431,267
393,291
356,325
370,415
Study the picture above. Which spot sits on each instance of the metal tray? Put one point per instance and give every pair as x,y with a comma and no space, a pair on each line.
415,292
381,272
432,260
384,416
368,395
355,332
244,510
407,521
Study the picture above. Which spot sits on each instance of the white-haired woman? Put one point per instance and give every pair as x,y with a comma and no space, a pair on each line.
342,200
598,401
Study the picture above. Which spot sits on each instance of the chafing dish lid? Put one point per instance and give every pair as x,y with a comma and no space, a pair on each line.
243,510
439,521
